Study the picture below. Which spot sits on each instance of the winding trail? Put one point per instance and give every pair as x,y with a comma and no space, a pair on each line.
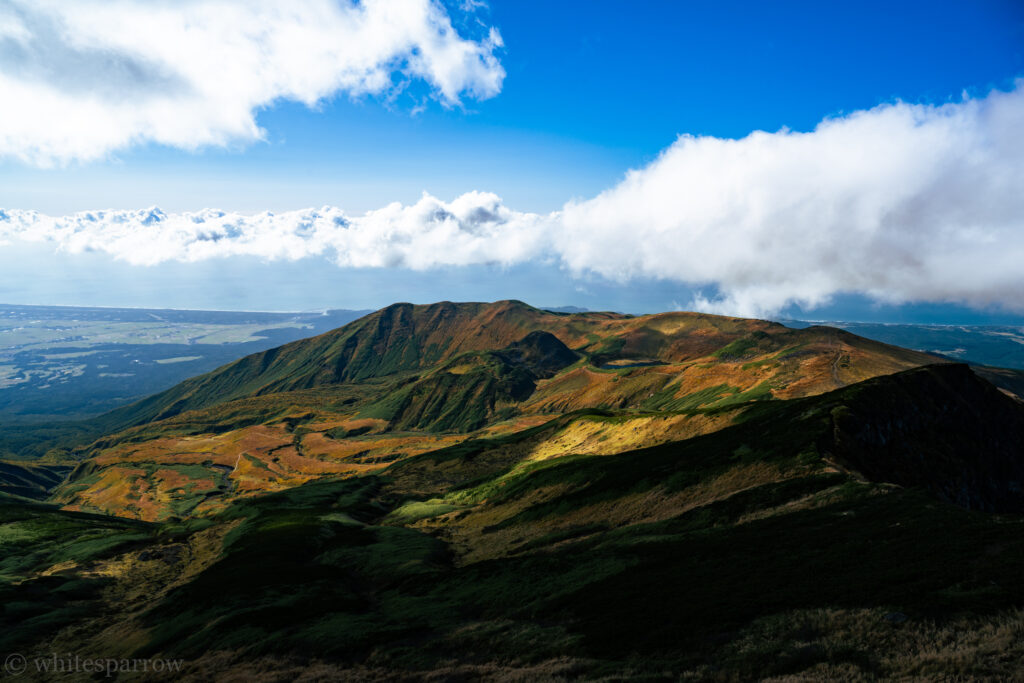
834,366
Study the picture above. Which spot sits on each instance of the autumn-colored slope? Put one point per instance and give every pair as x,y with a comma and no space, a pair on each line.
818,538
410,379
407,338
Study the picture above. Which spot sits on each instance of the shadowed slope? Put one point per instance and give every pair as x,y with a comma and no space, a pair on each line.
941,428
473,388
937,428
734,555
29,480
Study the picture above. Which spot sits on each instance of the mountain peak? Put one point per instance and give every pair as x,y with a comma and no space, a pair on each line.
404,339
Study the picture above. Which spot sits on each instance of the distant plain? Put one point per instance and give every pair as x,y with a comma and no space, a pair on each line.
58,361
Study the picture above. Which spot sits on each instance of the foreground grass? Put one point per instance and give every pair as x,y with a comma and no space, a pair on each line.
741,554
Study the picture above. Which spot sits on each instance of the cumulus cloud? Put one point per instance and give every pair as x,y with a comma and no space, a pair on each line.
474,228
82,78
902,202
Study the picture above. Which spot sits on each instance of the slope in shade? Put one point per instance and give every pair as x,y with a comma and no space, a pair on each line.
763,534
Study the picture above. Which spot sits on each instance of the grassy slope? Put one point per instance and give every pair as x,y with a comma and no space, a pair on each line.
46,546
34,481
398,338
404,338
771,542
450,369
755,550
1010,381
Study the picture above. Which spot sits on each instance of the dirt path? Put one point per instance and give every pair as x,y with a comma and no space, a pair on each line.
834,365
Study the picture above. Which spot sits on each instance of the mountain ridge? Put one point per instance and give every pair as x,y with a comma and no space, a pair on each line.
405,337
408,379
440,492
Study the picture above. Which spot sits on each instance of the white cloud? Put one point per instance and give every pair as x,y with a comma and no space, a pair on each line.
474,228
82,78
901,203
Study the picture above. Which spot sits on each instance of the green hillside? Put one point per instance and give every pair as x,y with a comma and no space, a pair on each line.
493,492
406,338
766,548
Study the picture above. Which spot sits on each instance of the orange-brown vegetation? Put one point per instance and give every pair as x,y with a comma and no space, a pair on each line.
680,373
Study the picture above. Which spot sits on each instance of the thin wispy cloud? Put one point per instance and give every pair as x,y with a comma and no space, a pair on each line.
902,202
81,79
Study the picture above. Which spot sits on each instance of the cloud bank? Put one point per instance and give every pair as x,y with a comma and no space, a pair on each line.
474,228
902,202
82,78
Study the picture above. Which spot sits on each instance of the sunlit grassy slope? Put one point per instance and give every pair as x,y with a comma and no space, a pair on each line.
489,491
406,339
413,378
767,547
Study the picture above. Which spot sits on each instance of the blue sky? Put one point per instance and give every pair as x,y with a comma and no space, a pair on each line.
586,92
